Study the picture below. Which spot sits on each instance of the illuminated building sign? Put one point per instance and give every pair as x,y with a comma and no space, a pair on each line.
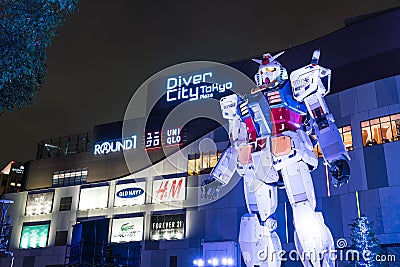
129,194
39,203
153,139
93,198
194,87
18,170
174,137
127,229
169,190
115,145
34,236
164,227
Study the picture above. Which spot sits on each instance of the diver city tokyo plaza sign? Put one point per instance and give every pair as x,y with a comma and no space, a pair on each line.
194,87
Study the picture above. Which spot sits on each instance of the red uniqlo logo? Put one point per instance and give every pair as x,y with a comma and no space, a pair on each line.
168,190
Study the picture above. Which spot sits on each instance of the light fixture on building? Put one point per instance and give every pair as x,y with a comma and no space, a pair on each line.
179,236
198,262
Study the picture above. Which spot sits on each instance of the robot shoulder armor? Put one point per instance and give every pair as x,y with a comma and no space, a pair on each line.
308,80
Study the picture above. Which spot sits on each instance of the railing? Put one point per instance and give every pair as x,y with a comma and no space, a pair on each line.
65,145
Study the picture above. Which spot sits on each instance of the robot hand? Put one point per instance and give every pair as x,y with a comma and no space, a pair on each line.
340,172
210,188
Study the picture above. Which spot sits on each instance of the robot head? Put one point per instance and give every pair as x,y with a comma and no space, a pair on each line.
270,72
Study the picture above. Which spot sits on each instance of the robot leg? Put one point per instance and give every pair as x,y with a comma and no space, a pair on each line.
259,243
313,239
327,259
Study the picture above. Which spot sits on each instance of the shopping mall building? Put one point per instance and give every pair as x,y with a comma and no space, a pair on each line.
127,193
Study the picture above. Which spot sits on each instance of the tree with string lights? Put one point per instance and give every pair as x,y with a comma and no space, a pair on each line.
364,243
26,30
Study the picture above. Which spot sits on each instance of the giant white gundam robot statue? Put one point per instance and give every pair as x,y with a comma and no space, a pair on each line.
272,133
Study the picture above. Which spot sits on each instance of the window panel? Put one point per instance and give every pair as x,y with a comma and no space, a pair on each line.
198,164
202,163
69,177
376,134
384,119
346,129
387,135
205,160
364,124
366,136
396,126
348,140
381,130
374,121
61,238
191,167
319,152
213,160
65,203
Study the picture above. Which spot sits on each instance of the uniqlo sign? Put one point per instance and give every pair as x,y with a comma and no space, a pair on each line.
153,139
167,190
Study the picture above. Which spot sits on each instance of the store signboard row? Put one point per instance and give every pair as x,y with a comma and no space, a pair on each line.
162,227
152,139
165,190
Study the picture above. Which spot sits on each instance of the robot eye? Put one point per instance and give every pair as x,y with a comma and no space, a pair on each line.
270,69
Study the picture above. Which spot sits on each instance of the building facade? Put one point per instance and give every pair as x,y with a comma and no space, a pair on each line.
85,205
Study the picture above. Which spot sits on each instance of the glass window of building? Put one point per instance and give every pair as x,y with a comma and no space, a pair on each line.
380,130
65,203
317,151
61,238
345,133
70,177
200,163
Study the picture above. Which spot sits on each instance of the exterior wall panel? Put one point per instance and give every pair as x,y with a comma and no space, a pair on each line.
386,92
366,97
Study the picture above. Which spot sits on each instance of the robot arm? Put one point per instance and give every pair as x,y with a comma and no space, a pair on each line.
227,163
310,84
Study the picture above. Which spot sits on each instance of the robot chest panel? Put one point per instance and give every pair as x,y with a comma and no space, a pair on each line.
286,113
284,119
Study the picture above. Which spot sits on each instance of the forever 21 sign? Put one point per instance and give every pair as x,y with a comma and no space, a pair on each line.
129,194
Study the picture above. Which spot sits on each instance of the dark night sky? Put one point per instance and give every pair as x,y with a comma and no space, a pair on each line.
106,50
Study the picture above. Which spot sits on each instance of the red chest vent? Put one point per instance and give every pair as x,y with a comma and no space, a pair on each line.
284,119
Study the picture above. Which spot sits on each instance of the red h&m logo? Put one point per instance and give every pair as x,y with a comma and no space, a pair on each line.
169,190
